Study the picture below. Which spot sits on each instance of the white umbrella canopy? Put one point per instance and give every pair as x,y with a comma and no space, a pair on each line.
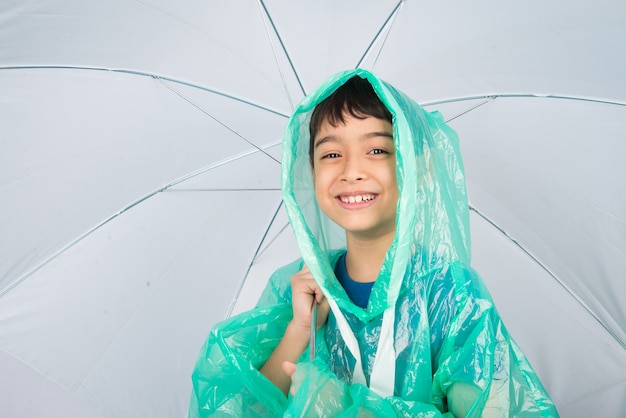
139,179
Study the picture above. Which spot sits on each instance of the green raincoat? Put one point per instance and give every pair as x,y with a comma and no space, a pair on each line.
442,339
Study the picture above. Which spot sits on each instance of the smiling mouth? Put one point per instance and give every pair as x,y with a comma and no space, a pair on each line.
359,198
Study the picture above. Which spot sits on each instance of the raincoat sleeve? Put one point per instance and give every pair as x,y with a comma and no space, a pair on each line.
480,370
226,379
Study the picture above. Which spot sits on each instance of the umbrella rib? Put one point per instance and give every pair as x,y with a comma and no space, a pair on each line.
214,118
547,270
470,109
219,93
523,95
278,67
282,45
273,239
385,39
391,16
58,253
254,257
212,166
143,74
268,189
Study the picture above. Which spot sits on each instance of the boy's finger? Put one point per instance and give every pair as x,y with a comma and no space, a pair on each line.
289,368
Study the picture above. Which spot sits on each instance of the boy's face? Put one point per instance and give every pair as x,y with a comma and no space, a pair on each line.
354,172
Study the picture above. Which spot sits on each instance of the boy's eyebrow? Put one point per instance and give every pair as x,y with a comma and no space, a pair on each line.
378,133
332,138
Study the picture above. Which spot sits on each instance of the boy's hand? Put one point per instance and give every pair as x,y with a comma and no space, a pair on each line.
296,339
305,292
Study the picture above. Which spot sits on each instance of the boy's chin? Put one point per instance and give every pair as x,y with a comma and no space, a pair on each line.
366,232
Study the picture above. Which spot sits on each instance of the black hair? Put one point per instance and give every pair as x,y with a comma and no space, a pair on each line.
356,97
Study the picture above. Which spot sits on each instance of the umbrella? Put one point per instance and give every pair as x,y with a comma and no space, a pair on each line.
139,179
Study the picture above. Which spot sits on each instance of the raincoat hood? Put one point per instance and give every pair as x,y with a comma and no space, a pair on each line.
432,221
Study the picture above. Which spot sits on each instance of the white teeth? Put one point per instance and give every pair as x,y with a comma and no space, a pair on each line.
357,199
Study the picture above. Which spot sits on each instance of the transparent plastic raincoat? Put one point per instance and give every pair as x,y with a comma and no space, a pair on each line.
430,334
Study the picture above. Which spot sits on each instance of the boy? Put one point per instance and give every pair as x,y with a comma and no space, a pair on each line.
374,189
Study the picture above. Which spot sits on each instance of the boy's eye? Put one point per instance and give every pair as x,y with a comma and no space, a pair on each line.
331,155
378,151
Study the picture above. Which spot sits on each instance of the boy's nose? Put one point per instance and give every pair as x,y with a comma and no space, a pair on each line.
352,170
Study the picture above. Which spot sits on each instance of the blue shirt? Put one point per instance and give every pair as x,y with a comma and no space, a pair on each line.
358,292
